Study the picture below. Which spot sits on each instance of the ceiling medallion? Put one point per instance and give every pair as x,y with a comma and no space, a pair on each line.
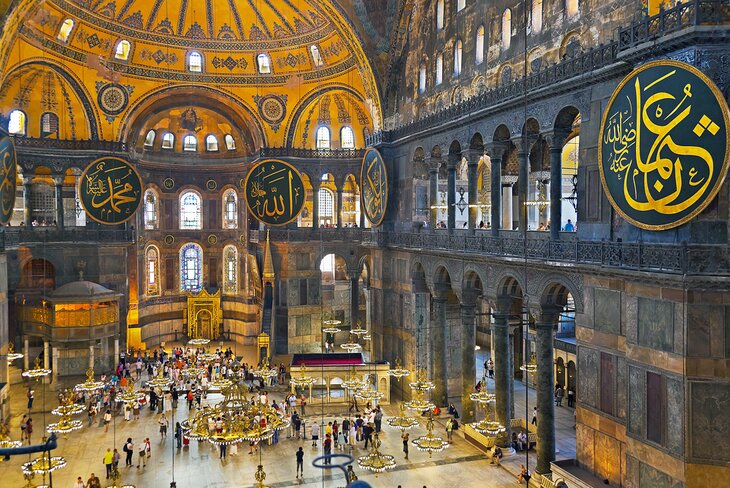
272,108
113,98
211,185
169,239
169,183
212,239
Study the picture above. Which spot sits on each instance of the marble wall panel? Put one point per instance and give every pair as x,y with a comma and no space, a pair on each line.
650,477
656,324
607,454
710,420
585,441
675,415
699,319
587,384
607,310
630,319
637,395
622,386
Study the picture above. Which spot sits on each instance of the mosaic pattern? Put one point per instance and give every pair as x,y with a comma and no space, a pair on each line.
113,99
272,108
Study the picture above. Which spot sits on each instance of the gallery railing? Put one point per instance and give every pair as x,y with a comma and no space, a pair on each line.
14,236
295,152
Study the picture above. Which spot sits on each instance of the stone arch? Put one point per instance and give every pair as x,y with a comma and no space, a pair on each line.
554,290
566,118
418,277
509,284
454,153
476,142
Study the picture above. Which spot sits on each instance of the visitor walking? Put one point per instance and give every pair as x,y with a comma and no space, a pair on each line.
404,437
31,397
328,449
128,451
108,461
107,419
534,415
300,463
163,425
315,434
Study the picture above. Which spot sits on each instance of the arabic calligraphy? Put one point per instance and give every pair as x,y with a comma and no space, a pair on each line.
374,185
274,192
8,176
110,191
663,148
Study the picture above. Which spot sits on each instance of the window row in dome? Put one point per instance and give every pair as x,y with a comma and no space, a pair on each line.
190,210
18,124
535,27
324,140
191,269
190,142
194,58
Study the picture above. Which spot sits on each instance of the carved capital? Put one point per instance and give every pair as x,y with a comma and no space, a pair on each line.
472,156
433,163
495,150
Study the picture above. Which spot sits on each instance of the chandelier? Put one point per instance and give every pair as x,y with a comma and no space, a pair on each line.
12,355
486,426
358,330
37,372
331,326
44,465
422,383
5,441
531,366
368,394
265,371
430,443
402,421
418,403
376,461
129,395
398,371
89,385
160,381
198,342
302,379
351,346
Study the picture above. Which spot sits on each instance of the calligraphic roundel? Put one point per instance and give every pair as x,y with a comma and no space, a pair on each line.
663,150
8,175
110,190
374,186
274,192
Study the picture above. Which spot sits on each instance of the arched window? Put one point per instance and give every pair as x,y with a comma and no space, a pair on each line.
230,270
347,138
122,51
150,209
17,123
191,211
49,125
439,69
230,142
326,207
536,16
211,143
264,63
316,56
191,267
439,14
506,29
457,58
571,7
230,210
149,139
153,271
195,62
323,138
168,140
479,56
190,143
65,30
422,78
42,203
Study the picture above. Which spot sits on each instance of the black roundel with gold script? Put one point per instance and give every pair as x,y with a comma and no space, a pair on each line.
374,186
663,149
110,190
274,192
8,175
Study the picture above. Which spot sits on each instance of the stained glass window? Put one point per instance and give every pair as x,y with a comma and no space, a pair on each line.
149,139
150,209
230,213
230,270
190,211
153,271
347,138
191,267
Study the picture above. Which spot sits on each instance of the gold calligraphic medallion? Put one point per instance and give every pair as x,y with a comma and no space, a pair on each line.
664,149
8,175
374,186
110,190
274,192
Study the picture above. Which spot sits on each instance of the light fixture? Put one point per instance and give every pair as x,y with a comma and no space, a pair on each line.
368,394
430,443
302,379
461,204
89,385
422,383
37,372
44,465
398,371
12,355
260,476
402,421
376,461
198,342
160,381
531,366
331,326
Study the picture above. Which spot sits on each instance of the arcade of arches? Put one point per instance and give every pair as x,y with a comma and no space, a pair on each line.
501,264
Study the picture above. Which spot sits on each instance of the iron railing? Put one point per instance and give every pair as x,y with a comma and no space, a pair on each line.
12,237
67,144
295,152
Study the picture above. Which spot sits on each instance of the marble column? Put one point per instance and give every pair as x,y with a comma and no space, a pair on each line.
338,209
468,365
58,182
116,352
26,354
451,196
522,183
556,186
46,357
54,365
496,191
368,320
91,357
315,206
27,201
437,345
472,175
545,380
507,206
502,359
433,187
354,298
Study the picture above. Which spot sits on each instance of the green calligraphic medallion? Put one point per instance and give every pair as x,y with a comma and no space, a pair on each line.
8,176
374,186
110,190
274,192
664,148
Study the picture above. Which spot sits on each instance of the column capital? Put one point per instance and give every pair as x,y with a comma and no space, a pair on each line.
523,143
547,316
556,138
495,150
472,156
433,163
503,306
58,179
441,291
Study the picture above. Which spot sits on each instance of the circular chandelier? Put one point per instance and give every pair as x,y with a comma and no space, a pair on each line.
160,381
354,384
376,461
483,397
358,330
37,372
351,346
367,337
65,425
420,404
265,371
208,357
68,409
531,366
198,342
430,443
12,355
220,383
44,465
129,395
368,394
331,326
488,427
89,385
302,379
422,383
402,421
398,371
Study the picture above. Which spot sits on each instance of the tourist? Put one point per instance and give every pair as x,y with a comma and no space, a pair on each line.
340,441
128,451
142,455
23,426
108,461
79,483
31,397
163,425
28,429
378,419
315,434
93,481
490,368
534,415
559,392
107,419
178,434
303,404
115,460
300,462
127,412
496,455
524,475
404,437
328,449
351,474
515,442
222,455
569,227
346,429
452,411
571,397
449,429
